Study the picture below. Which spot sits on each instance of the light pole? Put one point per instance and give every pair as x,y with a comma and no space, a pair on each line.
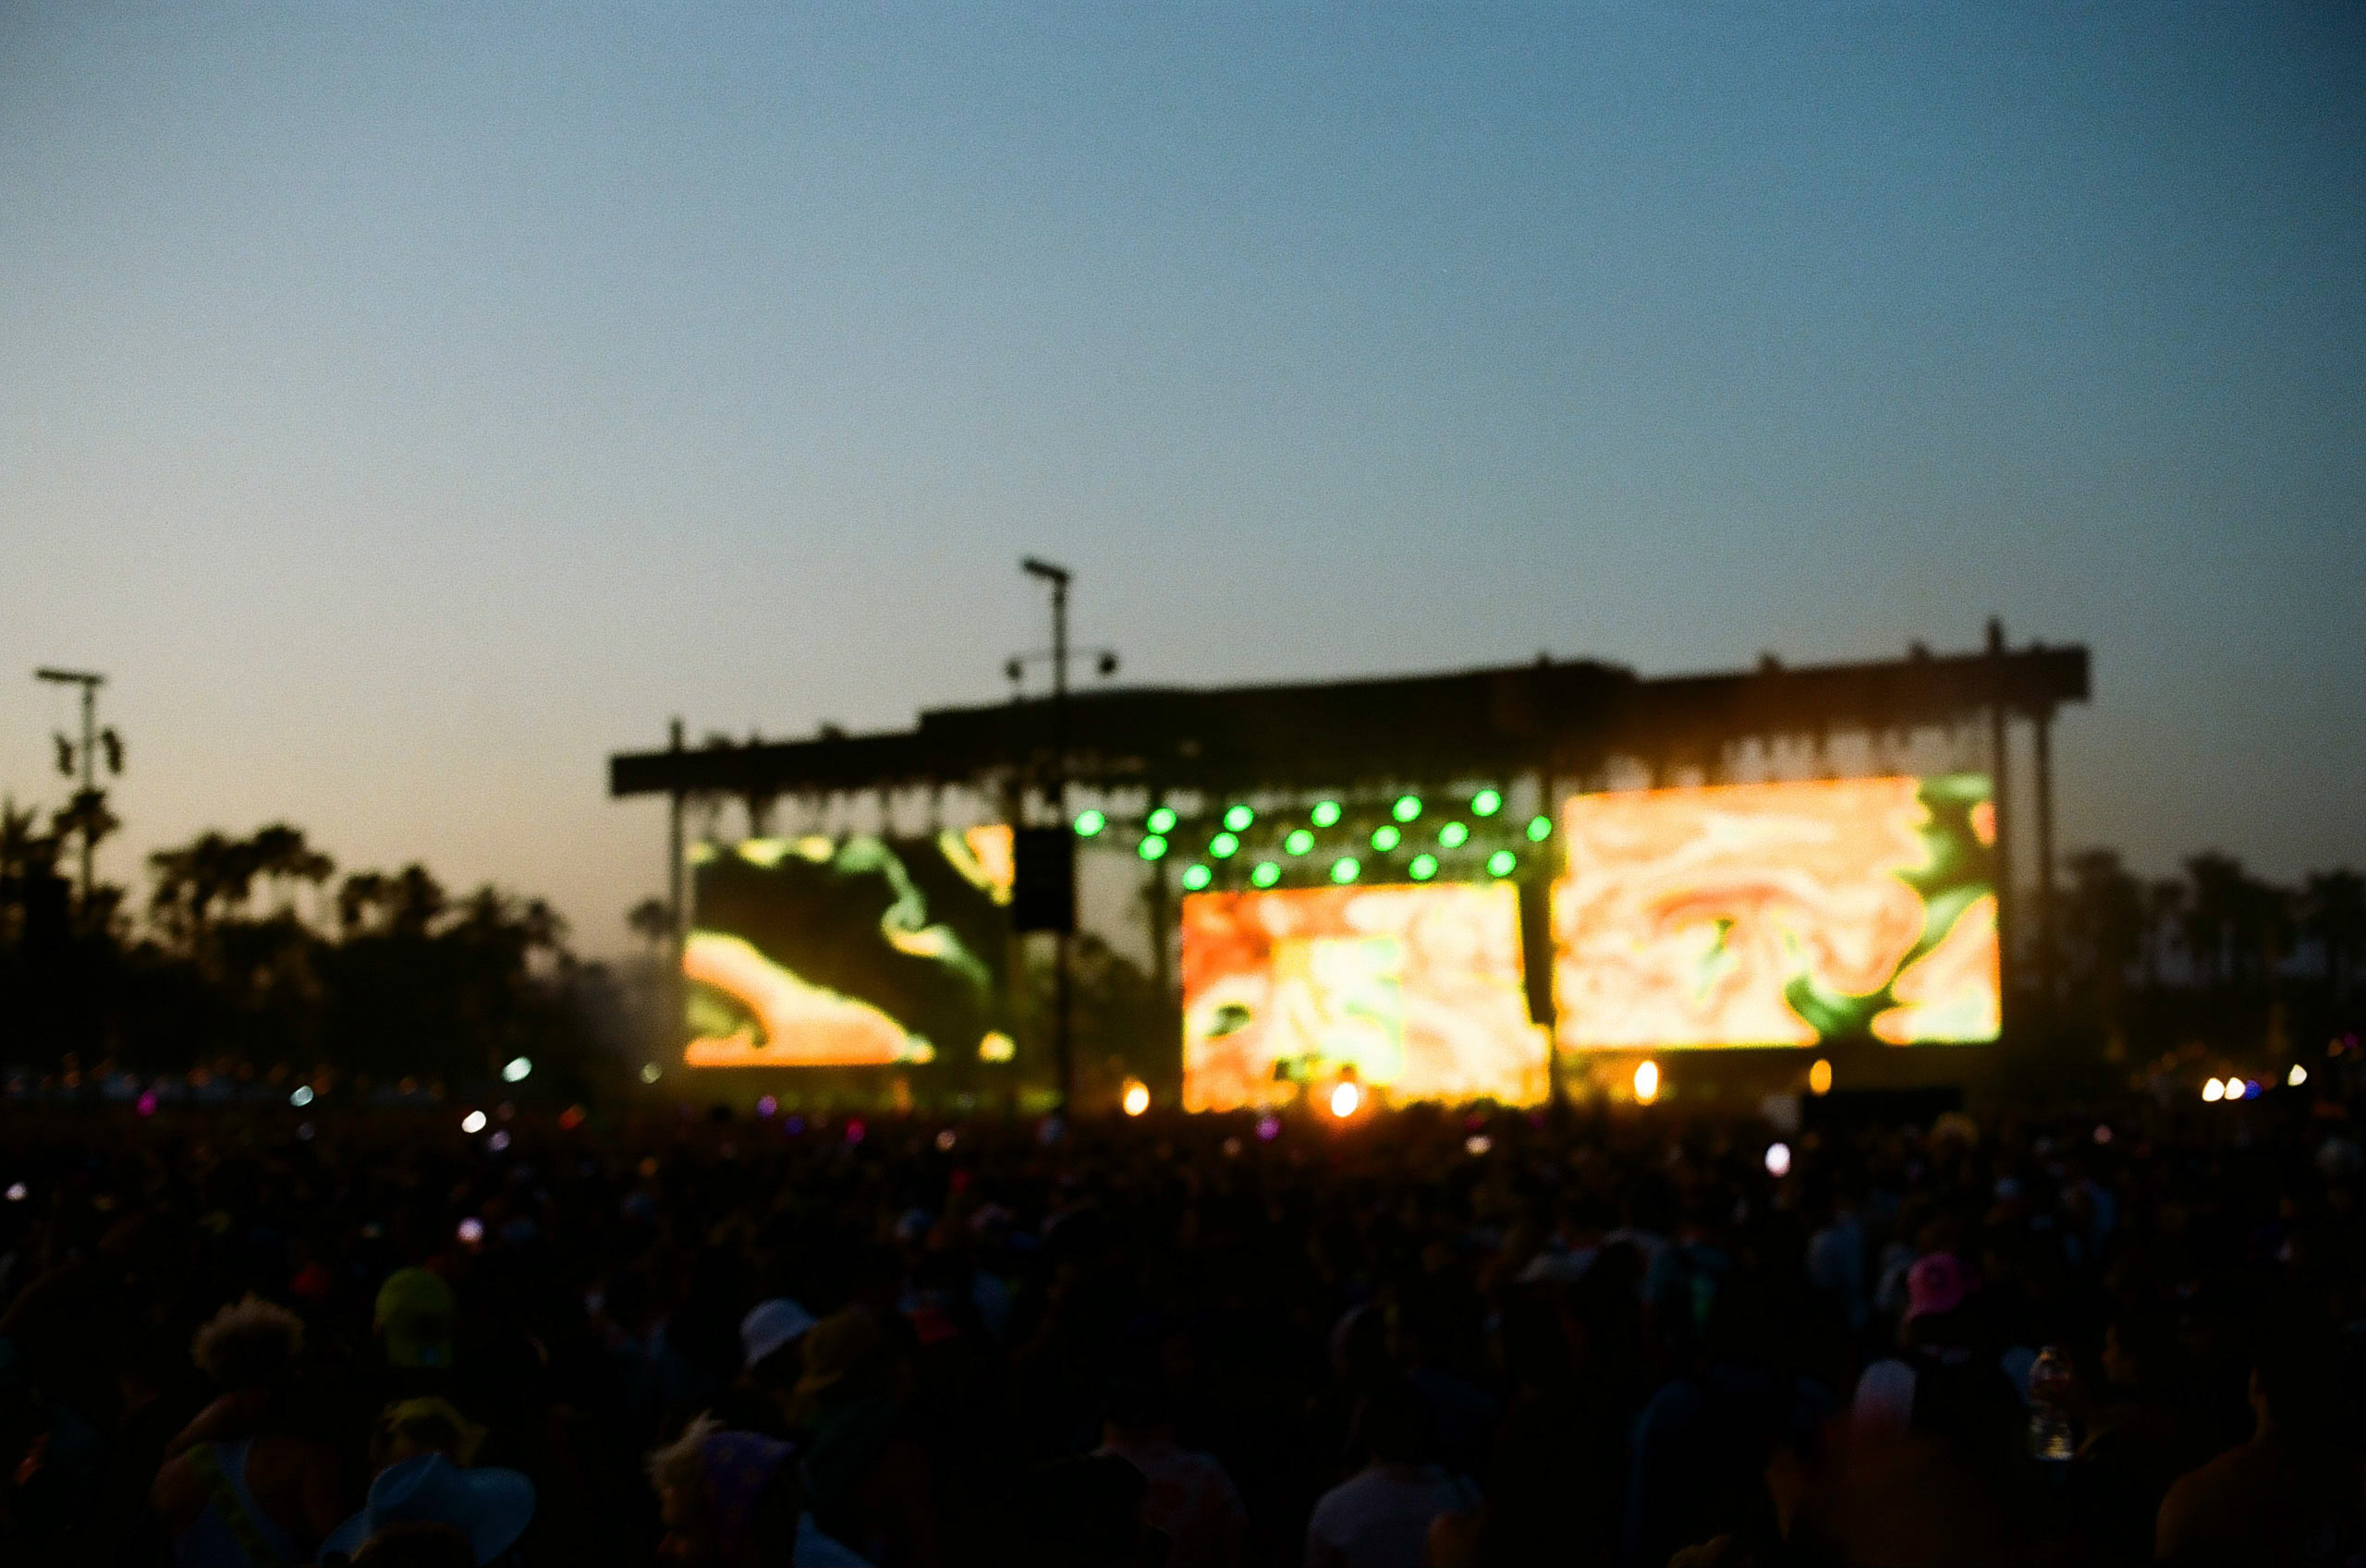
88,799
1063,1052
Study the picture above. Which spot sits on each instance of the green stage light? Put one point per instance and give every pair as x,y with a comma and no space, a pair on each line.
1486,803
1454,835
1502,863
1385,838
1160,821
1223,847
1407,807
1539,829
1151,848
1299,842
1345,869
1196,876
1325,812
1238,818
1423,867
1265,875
1090,822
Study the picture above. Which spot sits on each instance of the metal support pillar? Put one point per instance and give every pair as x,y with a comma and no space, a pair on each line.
1999,770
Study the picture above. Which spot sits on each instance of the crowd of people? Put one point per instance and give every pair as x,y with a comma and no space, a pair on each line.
1424,1336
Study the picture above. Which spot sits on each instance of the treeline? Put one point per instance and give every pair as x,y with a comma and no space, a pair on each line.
2215,956
254,952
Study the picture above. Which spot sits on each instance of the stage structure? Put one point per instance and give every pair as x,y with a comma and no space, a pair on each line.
1403,842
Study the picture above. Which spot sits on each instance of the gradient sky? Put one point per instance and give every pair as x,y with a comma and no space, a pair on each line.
408,406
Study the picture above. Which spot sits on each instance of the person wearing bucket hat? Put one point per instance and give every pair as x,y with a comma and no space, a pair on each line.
490,1507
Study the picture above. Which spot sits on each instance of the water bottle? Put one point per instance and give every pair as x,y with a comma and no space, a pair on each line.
2050,1441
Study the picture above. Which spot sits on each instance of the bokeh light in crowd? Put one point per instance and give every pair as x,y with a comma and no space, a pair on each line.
1778,1159
2103,1133
2296,1076
1477,1143
945,1140
497,1142
304,1131
300,1096
1269,1127
1160,821
16,1192
1238,818
1344,1100
766,1105
1647,1082
471,1232
2250,1089
517,1070
2213,1091
473,1123
1137,1097
855,1130
1486,803
1325,813
571,1118
1345,869
1819,1078
147,1103
1090,822
650,1071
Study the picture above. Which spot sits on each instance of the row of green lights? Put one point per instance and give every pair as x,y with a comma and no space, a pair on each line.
1091,822
1197,877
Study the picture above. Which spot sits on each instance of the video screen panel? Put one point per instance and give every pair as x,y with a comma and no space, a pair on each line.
854,952
1779,914
1417,988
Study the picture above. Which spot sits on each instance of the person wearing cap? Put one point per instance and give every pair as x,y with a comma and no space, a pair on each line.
771,1339
414,1319
1942,1382
489,1507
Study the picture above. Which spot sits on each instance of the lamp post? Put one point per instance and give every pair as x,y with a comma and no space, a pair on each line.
1063,1051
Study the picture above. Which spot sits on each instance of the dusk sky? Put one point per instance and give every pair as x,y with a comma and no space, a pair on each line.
408,406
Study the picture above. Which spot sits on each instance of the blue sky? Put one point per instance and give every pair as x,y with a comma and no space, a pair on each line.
409,406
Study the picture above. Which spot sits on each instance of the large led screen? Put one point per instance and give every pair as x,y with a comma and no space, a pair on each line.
1417,989
1778,914
853,951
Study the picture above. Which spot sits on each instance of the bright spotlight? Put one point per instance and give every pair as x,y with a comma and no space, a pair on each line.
2296,1076
1344,1100
1137,1099
473,1123
1778,1159
517,1070
300,1096
1647,1082
2213,1091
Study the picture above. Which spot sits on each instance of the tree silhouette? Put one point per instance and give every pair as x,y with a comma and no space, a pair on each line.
2335,915
652,920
